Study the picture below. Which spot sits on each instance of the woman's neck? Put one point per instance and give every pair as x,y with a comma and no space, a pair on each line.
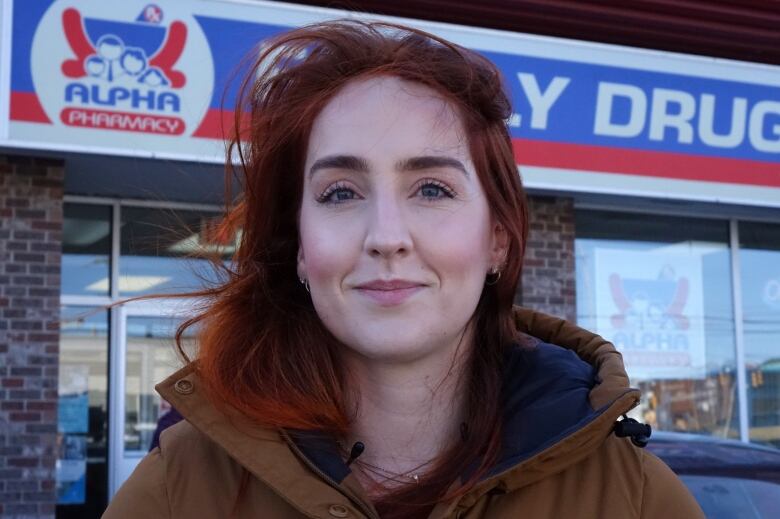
407,414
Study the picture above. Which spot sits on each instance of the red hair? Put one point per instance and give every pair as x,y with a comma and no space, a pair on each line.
262,348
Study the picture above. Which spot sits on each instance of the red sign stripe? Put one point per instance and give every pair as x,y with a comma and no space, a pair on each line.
661,164
215,121
25,106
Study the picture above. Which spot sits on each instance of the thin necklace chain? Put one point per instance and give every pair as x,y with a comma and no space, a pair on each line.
411,475
389,475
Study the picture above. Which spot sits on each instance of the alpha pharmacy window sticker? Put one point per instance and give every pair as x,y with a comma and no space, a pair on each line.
650,305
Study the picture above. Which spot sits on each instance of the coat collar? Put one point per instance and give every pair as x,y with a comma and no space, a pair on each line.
609,397
305,469
268,454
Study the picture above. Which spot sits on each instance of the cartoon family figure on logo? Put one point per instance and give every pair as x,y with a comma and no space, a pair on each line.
645,303
114,59
142,51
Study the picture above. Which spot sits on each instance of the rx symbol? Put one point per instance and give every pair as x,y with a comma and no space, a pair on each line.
153,14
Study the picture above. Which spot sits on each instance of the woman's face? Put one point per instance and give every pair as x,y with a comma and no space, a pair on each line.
396,236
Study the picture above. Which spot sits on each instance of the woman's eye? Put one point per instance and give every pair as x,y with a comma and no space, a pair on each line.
434,190
337,195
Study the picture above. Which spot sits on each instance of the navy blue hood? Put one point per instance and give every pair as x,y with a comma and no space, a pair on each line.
545,393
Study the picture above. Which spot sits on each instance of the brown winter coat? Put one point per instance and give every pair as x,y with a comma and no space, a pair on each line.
583,472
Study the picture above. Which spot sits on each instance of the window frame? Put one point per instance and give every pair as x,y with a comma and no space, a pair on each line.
733,220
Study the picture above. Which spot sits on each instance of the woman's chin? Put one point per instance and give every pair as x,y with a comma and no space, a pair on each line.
393,347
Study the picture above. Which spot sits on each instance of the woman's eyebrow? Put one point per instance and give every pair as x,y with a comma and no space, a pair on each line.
429,162
349,162
360,165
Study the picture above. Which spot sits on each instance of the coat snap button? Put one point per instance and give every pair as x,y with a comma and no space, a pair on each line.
338,511
183,386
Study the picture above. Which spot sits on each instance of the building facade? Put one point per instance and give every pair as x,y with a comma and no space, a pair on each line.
654,183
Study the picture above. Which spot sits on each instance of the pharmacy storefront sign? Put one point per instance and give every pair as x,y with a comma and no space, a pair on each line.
160,80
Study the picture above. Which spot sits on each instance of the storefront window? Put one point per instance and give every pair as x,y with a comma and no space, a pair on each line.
659,288
164,251
151,358
86,250
760,279
82,415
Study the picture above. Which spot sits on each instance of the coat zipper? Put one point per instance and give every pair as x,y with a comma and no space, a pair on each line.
366,510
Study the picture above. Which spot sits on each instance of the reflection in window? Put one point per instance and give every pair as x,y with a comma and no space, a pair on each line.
86,249
659,289
760,278
160,250
151,358
82,413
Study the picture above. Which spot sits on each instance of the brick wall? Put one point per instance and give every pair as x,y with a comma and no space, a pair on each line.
30,249
548,282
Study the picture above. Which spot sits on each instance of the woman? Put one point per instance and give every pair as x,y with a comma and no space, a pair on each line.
364,358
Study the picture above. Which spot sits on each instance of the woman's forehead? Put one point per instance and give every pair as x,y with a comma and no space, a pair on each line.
384,88
388,112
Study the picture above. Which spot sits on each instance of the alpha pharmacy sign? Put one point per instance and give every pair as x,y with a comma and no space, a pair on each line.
121,75
159,80
113,76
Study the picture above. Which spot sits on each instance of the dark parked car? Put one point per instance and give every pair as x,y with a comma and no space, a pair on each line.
730,479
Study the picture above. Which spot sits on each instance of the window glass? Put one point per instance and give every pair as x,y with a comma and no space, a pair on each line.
86,249
162,251
759,258
659,288
82,413
151,358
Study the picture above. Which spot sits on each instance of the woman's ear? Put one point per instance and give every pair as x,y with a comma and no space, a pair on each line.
500,245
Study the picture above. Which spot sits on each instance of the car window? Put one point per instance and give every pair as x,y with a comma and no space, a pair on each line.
733,498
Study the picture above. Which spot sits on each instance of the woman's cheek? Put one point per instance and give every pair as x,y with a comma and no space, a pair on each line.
329,252
460,239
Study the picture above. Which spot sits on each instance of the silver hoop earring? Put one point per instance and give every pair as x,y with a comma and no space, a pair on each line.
305,283
493,272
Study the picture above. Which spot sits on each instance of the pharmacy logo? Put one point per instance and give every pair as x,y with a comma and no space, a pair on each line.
650,304
143,69
120,68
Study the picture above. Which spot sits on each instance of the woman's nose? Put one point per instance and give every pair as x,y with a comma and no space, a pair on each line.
388,233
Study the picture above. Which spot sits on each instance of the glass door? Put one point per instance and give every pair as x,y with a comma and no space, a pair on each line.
112,356
82,412
145,355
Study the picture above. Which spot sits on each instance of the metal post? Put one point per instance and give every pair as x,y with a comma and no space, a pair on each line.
739,335
116,226
116,363
116,409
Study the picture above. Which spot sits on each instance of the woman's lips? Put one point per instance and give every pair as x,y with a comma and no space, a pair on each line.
389,293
